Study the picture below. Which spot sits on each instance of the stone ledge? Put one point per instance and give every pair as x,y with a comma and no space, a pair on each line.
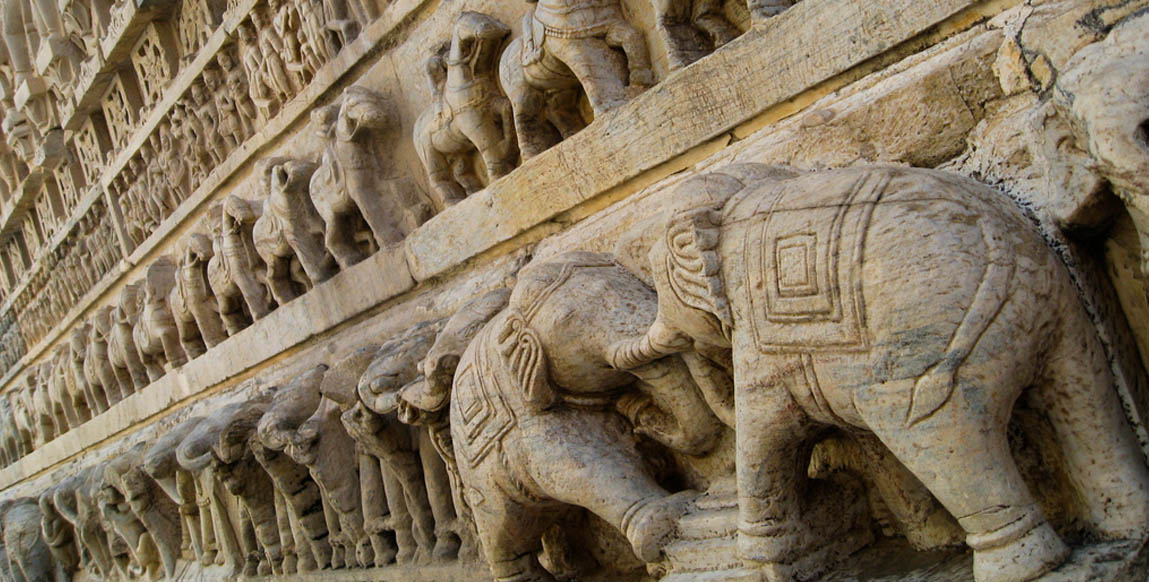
689,108
327,306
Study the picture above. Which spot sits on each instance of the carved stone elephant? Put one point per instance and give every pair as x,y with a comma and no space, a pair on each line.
356,191
289,234
28,555
568,44
533,398
122,352
76,499
57,533
142,553
156,336
468,113
23,418
43,417
335,471
236,544
237,274
244,478
392,462
66,390
193,306
161,464
912,304
13,445
154,510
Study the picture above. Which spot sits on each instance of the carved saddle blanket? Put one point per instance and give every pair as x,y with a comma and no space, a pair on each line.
803,263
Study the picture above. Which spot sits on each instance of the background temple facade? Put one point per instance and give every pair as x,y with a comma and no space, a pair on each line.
354,289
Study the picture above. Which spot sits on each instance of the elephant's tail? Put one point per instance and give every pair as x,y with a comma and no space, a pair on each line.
934,388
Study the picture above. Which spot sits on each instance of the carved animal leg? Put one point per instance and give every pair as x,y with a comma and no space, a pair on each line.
286,534
1101,453
601,72
375,509
760,10
254,564
439,498
185,486
444,188
210,325
339,238
279,279
709,16
536,135
633,44
961,455
173,352
334,535
771,434
190,340
255,295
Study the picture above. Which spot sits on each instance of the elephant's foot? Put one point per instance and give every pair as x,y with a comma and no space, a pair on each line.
836,523
650,527
251,567
207,558
365,553
446,547
1027,557
385,551
337,561
407,546
265,568
290,563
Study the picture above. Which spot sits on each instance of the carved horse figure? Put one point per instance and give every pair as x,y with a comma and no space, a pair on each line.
468,112
122,352
235,271
193,306
289,234
156,336
568,44
354,188
947,305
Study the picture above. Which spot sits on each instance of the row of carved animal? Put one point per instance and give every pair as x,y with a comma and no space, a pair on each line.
577,417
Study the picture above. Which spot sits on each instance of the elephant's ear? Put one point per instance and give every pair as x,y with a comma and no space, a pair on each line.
522,354
693,266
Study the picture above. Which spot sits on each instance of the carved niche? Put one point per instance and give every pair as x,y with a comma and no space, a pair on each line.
156,61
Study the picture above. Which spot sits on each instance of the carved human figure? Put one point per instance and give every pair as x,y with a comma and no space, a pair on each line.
567,45
232,127
203,108
194,307
160,463
420,499
275,70
286,21
29,557
176,173
468,112
158,513
156,336
353,189
122,352
290,231
235,271
750,249
265,97
538,372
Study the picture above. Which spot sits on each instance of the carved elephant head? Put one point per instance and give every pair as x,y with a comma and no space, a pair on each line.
292,405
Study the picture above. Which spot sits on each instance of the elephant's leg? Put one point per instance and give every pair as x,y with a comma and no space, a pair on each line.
512,538
255,295
375,509
630,39
536,134
286,535
189,336
316,261
339,237
961,454
1100,451
334,534
253,562
771,473
615,487
599,70
189,511
439,498
208,321
279,279
173,352
400,520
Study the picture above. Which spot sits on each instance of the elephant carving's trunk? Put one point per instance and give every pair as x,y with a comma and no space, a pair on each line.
658,342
